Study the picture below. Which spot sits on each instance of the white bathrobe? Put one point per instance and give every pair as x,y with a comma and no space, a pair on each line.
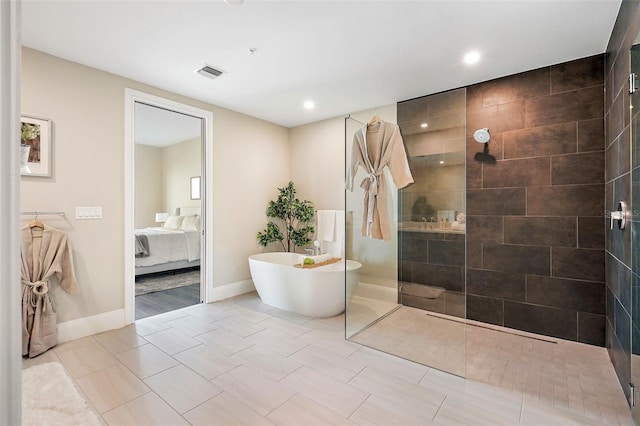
376,147
45,252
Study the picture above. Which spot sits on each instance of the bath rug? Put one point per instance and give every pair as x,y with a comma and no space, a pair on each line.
153,283
49,398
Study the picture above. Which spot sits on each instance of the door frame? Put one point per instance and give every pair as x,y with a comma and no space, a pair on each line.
206,276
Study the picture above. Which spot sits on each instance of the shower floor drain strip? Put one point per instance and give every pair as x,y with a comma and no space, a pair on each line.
501,329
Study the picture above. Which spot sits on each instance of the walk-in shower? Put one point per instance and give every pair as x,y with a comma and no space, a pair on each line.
412,292
495,269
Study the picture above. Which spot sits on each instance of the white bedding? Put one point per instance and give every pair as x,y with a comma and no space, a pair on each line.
168,245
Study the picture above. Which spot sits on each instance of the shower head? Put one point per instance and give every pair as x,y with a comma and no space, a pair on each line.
482,135
484,156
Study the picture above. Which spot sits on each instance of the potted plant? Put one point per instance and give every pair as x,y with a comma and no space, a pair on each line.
421,209
295,216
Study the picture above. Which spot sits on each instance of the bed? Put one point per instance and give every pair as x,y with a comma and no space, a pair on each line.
176,245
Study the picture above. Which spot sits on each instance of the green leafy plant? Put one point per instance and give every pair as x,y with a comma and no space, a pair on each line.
420,209
29,131
294,214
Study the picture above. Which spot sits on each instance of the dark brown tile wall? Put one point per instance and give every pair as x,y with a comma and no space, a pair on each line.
582,264
578,168
566,200
590,328
499,285
524,172
554,322
589,132
543,140
535,218
516,258
540,231
618,163
485,309
576,75
496,201
591,232
573,106
558,293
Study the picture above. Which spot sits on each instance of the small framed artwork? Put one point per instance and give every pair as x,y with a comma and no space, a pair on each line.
195,188
35,146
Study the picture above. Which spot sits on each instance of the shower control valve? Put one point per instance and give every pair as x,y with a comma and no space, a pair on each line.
620,215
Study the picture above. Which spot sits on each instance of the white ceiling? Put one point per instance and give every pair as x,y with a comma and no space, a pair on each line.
346,56
159,127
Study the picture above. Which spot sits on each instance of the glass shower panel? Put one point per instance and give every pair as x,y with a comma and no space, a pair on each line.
432,224
635,228
432,227
423,320
376,293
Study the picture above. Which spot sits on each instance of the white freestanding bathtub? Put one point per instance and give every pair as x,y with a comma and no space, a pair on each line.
314,292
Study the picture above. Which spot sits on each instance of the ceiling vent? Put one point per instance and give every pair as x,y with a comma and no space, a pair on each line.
209,72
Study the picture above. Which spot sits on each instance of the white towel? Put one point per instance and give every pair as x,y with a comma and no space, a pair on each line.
457,226
340,233
326,225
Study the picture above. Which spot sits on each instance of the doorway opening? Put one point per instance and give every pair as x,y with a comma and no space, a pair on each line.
168,211
166,206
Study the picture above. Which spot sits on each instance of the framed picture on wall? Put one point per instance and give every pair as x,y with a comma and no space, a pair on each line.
35,146
195,188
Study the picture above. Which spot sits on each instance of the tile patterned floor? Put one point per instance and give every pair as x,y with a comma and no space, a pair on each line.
416,336
571,376
240,362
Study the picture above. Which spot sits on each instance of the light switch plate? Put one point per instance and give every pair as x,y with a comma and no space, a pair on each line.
88,213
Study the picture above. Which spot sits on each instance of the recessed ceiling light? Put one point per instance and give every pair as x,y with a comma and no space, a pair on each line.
309,105
472,57
424,125
234,2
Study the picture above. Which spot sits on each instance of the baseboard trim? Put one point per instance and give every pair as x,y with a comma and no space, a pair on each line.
231,290
87,326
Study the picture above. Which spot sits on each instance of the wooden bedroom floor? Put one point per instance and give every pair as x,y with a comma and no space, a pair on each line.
151,304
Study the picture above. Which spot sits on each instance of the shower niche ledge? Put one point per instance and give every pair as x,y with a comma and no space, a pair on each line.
428,227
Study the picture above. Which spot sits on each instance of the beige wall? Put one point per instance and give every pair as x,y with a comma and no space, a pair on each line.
149,186
86,106
162,178
248,171
180,162
317,163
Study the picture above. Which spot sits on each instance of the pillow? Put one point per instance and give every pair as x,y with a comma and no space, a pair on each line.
173,222
191,223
